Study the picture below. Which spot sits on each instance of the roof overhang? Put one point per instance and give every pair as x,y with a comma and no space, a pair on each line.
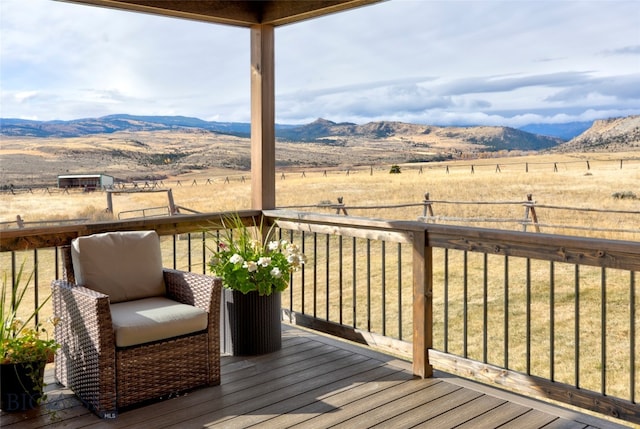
238,13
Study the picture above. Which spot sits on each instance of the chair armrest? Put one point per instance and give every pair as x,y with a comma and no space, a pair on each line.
199,290
203,292
86,359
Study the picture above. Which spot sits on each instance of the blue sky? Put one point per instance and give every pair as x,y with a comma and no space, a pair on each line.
432,62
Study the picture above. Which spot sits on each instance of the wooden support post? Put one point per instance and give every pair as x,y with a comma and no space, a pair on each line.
472,172
588,166
263,143
422,305
526,167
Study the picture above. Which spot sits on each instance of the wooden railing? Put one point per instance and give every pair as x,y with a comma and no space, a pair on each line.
548,316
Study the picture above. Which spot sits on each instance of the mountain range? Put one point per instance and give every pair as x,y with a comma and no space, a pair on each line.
123,122
619,132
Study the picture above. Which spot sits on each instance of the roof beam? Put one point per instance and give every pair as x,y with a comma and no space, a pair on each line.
237,13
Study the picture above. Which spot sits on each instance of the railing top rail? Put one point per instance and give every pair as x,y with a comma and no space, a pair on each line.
559,248
50,236
352,226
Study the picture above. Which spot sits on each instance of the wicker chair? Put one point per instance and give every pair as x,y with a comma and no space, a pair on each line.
109,367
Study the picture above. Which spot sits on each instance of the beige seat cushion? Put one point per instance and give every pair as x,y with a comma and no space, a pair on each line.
152,319
125,265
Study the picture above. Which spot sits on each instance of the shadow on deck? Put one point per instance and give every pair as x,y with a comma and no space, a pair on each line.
318,382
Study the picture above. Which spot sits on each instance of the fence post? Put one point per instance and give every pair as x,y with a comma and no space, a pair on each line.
427,209
422,305
530,210
341,207
172,206
109,202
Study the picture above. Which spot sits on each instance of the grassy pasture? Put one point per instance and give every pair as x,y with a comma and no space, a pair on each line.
562,180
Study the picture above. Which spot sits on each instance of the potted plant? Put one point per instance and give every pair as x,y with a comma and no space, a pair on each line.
25,348
254,267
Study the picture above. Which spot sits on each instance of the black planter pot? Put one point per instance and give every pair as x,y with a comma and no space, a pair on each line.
21,385
251,324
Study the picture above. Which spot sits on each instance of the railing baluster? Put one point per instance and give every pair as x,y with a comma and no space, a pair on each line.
340,281
384,289
175,256
632,336
528,315
485,307
368,284
603,331
292,285
189,251
36,297
552,321
326,277
354,275
465,306
204,252
315,274
400,291
576,332
303,292
446,301
506,311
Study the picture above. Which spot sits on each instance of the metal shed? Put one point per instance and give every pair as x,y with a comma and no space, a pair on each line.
87,181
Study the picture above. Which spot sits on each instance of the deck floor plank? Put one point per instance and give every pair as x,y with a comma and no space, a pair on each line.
372,407
316,381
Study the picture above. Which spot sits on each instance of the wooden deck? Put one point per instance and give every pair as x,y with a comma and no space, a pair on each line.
319,382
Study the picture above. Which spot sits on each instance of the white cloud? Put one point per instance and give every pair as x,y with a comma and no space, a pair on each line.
446,62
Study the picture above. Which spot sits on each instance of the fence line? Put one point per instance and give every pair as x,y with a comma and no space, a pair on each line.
446,167
529,219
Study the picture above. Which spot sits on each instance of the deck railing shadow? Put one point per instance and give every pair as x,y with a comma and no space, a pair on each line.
547,316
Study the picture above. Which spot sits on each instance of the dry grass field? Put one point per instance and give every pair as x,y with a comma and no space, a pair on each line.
571,180
579,181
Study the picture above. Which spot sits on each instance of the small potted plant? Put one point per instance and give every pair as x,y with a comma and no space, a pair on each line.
25,348
254,267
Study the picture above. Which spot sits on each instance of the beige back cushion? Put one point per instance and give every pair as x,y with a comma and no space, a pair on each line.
124,265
